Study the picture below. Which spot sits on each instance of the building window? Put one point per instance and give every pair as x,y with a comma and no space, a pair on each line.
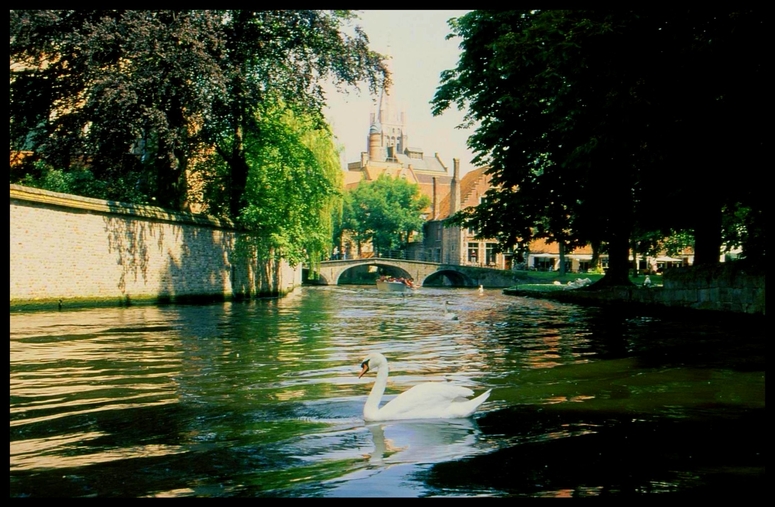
489,254
543,263
473,253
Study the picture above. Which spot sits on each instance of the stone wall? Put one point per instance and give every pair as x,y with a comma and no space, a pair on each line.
76,249
727,287
730,287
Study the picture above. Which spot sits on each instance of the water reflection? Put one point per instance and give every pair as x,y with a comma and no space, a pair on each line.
400,449
423,441
262,398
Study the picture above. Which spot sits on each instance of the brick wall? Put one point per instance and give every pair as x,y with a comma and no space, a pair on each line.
68,247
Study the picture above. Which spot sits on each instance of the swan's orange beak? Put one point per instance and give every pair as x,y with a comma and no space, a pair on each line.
364,369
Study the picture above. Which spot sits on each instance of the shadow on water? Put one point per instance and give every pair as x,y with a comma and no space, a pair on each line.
554,453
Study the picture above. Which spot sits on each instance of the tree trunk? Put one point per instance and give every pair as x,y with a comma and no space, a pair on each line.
562,258
171,163
595,262
238,168
618,263
524,254
181,185
239,178
635,264
707,236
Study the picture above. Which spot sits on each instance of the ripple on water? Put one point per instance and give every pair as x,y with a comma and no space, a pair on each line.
263,398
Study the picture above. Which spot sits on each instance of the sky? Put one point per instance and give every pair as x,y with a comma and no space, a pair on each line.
416,41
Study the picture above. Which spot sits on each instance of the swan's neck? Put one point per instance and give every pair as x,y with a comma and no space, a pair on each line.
371,407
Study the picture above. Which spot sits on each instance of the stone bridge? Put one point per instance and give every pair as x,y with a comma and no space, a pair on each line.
423,273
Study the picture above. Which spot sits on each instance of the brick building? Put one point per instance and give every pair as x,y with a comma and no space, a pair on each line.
457,245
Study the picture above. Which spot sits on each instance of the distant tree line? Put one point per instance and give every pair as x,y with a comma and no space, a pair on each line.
616,128
165,106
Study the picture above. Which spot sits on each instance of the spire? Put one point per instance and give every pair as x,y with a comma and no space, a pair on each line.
385,114
387,127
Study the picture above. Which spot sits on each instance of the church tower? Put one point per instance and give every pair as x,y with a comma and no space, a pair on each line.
387,134
388,152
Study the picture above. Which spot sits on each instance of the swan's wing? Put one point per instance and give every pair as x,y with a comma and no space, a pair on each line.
442,391
428,400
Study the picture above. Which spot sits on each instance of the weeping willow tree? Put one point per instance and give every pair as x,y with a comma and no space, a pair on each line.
294,189
329,209
293,193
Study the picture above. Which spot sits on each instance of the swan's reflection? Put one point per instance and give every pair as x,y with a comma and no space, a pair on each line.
422,441
401,449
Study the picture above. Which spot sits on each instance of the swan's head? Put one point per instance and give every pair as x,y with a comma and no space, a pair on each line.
372,362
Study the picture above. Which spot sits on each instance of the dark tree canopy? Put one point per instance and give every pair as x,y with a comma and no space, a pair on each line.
136,95
164,107
597,124
283,55
117,91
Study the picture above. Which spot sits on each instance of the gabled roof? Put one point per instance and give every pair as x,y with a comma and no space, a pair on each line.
422,164
466,184
375,170
352,178
427,179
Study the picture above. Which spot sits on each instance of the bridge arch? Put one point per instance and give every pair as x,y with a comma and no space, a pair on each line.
423,273
333,272
383,268
321,279
448,278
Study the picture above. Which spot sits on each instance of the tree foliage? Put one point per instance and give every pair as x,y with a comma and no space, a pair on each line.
293,189
597,124
283,55
115,93
386,212
134,96
164,107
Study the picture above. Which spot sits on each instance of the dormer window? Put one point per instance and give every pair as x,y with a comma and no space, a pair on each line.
414,154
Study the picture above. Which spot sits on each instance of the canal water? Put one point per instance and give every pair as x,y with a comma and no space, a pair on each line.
263,399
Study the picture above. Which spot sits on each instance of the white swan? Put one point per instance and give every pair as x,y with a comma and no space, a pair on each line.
431,400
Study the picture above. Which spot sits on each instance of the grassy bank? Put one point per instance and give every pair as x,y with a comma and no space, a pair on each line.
545,280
